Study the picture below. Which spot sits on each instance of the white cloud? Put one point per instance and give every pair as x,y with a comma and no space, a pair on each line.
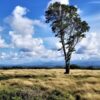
3,55
22,35
23,29
19,23
22,24
61,1
39,23
2,43
1,28
88,48
91,43
79,11
11,55
25,41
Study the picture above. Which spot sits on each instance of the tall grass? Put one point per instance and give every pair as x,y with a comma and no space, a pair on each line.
49,84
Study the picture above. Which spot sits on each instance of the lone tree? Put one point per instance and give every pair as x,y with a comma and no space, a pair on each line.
68,26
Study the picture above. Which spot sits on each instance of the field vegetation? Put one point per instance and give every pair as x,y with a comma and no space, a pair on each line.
49,84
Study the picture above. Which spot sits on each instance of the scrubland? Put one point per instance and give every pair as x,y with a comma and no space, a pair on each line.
49,84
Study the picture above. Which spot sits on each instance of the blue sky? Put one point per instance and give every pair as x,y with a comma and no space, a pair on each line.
25,38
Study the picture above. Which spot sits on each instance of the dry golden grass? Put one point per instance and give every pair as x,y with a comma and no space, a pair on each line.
82,84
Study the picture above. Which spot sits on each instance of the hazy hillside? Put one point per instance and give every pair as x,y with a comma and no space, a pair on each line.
49,84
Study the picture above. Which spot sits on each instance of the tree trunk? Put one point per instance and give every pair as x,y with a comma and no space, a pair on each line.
69,53
67,67
67,62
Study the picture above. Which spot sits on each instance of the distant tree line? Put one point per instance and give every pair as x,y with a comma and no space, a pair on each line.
72,66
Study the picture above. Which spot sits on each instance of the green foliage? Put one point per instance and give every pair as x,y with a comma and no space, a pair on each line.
10,94
36,93
59,95
67,25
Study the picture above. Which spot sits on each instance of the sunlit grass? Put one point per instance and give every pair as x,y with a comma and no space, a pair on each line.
49,84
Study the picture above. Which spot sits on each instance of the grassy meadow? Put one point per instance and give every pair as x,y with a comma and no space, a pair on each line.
49,84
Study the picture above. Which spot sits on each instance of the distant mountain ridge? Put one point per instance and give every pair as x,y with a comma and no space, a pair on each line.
54,63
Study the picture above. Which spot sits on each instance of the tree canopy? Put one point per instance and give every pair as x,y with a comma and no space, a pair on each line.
67,25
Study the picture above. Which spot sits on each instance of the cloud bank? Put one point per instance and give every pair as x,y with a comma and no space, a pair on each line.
61,1
22,35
